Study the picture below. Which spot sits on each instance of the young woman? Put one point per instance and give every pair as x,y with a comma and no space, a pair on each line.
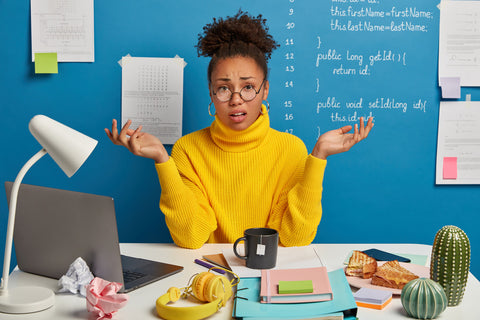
239,173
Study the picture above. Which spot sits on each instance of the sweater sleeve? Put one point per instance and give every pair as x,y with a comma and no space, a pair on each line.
188,216
299,210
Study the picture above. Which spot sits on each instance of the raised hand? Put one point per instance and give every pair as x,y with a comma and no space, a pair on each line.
339,140
137,142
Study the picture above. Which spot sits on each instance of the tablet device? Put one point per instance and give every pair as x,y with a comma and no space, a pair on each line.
381,255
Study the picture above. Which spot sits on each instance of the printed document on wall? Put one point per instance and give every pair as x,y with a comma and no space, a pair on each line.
152,96
458,145
459,44
64,27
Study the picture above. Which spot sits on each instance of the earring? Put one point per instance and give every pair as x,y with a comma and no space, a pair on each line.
211,115
268,107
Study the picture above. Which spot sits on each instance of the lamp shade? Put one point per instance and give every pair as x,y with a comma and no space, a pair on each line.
67,147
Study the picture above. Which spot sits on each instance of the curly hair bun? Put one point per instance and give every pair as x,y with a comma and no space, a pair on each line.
241,30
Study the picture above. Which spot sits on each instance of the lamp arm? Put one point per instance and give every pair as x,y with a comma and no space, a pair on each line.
11,218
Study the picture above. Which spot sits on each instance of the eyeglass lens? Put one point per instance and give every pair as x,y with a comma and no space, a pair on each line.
247,93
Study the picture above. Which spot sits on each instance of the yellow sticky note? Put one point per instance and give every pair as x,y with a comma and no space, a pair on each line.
46,62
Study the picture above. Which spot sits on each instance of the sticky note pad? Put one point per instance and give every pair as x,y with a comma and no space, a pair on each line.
46,62
289,287
450,168
372,298
450,87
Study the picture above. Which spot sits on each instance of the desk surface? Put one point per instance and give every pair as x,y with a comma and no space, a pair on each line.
141,304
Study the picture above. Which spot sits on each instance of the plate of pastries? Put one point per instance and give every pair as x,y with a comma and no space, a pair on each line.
364,271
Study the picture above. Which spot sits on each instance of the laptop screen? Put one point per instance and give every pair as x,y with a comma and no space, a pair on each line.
53,227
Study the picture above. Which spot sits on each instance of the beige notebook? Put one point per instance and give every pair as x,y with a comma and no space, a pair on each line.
217,259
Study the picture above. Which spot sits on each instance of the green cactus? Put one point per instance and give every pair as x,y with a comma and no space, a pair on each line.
423,299
451,262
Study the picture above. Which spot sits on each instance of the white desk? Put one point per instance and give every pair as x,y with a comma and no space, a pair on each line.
142,301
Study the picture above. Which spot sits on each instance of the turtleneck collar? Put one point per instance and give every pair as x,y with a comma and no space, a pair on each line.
240,141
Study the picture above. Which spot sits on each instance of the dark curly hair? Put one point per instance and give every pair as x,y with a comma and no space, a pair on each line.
240,35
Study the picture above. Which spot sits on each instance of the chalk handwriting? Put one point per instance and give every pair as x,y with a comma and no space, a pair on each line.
352,110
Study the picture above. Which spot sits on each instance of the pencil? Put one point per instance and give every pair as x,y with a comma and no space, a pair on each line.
209,266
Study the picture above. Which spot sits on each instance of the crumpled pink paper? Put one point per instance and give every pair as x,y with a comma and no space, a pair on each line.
103,299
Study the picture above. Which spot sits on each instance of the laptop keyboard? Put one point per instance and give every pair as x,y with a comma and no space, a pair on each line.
129,276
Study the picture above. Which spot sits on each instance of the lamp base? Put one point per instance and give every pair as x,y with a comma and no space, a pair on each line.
26,300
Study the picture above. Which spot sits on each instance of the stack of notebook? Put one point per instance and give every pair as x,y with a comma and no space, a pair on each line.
295,285
248,305
299,287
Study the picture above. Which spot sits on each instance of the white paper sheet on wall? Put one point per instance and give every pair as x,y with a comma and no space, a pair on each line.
152,96
64,27
458,146
459,43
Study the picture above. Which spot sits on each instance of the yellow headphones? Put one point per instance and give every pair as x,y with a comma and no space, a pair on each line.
206,287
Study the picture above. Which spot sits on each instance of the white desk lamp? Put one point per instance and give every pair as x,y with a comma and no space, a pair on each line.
69,149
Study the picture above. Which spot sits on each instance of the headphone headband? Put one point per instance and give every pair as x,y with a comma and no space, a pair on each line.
185,313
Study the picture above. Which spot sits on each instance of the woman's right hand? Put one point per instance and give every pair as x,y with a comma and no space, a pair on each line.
139,143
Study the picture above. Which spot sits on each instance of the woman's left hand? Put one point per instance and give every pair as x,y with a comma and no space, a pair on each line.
339,140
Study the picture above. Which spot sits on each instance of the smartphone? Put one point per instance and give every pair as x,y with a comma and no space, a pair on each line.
381,255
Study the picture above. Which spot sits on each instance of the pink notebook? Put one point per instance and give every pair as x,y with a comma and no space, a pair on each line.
319,276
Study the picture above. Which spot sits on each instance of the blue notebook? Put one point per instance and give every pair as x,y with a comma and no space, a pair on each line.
336,315
247,301
329,316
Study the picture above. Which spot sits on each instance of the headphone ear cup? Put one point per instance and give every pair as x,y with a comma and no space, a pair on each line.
199,283
218,287
214,289
228,290
174,294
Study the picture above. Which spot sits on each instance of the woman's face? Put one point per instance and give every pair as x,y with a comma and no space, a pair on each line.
235,74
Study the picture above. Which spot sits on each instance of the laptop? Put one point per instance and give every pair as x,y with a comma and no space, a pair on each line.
53,227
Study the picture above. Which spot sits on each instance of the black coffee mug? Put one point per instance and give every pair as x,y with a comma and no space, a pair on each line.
260,248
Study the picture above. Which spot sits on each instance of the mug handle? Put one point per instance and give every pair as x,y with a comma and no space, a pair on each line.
235,248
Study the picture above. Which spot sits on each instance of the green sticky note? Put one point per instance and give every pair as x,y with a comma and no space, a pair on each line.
46,62
289,287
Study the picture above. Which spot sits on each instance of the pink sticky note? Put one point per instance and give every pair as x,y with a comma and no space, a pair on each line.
450,168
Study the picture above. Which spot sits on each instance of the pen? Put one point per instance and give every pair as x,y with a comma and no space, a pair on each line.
208,265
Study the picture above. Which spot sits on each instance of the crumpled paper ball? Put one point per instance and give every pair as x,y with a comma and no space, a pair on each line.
76,278
103,299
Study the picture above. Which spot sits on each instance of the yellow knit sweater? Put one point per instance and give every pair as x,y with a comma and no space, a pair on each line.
219,182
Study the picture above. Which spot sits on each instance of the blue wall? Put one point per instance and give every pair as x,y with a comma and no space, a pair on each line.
383,190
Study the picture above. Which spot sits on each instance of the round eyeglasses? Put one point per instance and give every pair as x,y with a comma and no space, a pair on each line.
247,93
